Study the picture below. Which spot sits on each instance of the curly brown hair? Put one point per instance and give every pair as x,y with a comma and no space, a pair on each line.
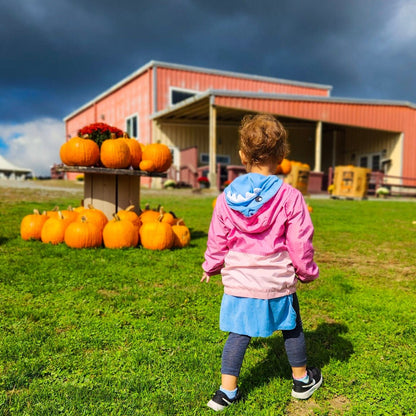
263,140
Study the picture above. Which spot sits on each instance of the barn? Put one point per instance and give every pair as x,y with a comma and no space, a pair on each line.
197,111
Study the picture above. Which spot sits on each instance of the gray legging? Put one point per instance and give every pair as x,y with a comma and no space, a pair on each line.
236,345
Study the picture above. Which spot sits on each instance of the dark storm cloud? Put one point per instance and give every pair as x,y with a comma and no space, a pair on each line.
58,54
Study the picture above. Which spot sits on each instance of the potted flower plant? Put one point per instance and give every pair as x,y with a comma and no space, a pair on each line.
98,132
203,182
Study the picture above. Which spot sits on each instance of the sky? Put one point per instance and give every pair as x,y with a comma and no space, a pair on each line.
56,55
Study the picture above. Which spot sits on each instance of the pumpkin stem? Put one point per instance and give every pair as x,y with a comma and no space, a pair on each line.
160,218
130,208
36,211
147,207
173,214
180,222
116,217
83,218
60,215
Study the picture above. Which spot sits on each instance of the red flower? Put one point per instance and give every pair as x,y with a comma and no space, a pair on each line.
100,132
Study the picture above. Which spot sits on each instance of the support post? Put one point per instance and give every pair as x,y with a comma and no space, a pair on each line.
318,146
212,174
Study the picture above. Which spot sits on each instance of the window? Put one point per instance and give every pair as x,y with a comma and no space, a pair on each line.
177,95
131,126
223,159
371,161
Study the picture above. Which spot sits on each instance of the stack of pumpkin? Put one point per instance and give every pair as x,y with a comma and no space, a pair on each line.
89,227
116,153
284,168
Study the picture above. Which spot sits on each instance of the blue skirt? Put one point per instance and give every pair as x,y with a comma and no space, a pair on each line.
257,317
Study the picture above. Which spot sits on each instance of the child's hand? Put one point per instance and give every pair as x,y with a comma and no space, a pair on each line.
205,277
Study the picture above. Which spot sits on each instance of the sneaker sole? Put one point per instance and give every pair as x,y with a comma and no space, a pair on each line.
215,406
308,393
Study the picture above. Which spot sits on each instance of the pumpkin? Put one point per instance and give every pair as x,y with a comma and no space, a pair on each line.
53,213
120,233
149,215
83,234
31,225
69,213
147,165
130,215
94,215
182,235
135,152
80,152
159,154
168,217
115,153
53,231
284,168
156,235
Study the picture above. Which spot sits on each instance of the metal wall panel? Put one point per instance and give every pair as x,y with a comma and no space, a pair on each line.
198,81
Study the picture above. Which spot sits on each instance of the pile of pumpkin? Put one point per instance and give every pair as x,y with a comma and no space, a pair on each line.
116,153
89,227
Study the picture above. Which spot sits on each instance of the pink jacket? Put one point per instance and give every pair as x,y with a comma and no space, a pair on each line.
262,256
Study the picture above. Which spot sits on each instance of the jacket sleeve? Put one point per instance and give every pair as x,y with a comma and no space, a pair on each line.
217,246
299,236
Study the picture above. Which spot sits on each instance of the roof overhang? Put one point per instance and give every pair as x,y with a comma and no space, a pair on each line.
231,106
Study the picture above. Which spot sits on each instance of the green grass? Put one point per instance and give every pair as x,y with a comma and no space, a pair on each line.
133,332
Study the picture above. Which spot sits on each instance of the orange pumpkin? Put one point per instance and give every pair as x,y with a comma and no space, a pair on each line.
168,217
53,231
159,154
93,215
135,152
182,235
53,213
156,235
115,154
79,152
147,166
70,213
120,233
31,225
83,234
130,215
284,168
149,215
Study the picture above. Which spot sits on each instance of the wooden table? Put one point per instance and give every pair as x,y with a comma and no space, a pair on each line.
111,190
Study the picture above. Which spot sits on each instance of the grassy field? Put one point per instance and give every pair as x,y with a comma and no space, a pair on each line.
133,332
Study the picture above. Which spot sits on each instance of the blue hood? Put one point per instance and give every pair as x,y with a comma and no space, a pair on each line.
249,192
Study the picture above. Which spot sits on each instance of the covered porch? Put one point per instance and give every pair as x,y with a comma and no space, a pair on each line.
323,133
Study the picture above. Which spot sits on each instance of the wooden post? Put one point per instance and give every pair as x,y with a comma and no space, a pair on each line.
111,190
318,146
212,175
128,192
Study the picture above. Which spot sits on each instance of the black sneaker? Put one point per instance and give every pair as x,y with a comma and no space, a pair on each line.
220,400
305,390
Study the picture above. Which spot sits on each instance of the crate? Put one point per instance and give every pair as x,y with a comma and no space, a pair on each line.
351,182
299,177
